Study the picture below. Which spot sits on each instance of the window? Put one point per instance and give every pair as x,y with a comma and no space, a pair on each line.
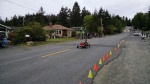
59,31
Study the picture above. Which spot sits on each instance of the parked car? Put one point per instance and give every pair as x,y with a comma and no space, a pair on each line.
136,34
3,39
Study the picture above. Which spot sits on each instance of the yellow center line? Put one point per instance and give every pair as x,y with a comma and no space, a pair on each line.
55,53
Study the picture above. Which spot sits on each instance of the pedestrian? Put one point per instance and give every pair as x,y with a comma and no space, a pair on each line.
143,38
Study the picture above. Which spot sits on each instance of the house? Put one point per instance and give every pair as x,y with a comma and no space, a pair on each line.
5,29
79,31
59,30
128,28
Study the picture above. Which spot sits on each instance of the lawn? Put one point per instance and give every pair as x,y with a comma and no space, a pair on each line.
53,41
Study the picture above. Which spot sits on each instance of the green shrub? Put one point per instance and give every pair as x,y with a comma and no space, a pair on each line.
73,34
35,31
16,41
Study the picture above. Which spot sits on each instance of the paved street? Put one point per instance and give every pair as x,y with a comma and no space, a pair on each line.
53,64
131,67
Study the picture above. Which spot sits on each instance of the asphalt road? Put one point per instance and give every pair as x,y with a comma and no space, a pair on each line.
131,67
53,64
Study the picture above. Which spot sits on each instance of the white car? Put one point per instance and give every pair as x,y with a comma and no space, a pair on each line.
136,34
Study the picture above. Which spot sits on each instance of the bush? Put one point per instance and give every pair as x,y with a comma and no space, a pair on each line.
73,34
33,29
16,41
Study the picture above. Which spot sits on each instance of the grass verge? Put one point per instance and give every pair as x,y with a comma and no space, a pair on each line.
53,41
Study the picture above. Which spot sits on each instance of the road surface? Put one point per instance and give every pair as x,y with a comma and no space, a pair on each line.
53,64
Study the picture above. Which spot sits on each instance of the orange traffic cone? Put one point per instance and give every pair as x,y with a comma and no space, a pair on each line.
80,82
107,55
95,67
103,59
115,49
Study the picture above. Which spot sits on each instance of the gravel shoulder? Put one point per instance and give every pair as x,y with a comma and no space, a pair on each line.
131,67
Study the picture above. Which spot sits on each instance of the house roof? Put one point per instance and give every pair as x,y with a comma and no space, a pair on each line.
47,28
59,27
76,28
13,27
4,27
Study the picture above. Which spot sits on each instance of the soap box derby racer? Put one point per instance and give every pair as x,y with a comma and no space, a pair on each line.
84,45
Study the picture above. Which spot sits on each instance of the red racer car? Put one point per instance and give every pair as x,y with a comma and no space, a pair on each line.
84,45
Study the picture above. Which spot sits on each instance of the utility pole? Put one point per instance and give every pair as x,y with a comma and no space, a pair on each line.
149,10
102,27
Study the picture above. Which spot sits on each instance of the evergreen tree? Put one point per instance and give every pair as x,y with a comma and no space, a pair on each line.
52,19
75,18
96,18
101,13
142,21
14,21
1,21
20,21
69,13
39,16
138,21
63,17
148,20
7,22
106,18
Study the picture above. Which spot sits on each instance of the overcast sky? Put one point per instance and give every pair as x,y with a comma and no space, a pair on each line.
129,8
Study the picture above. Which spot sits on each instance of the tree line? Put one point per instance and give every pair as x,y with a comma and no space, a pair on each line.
73,18
141,21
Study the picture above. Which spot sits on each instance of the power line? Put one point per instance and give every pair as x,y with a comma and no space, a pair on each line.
57,2
27,4
46,5
35,5
19,5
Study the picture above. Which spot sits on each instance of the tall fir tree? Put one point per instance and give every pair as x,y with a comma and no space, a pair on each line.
7,22
101,13
75,18
63,17
69,13
52,19
15,21
1,21
40,16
